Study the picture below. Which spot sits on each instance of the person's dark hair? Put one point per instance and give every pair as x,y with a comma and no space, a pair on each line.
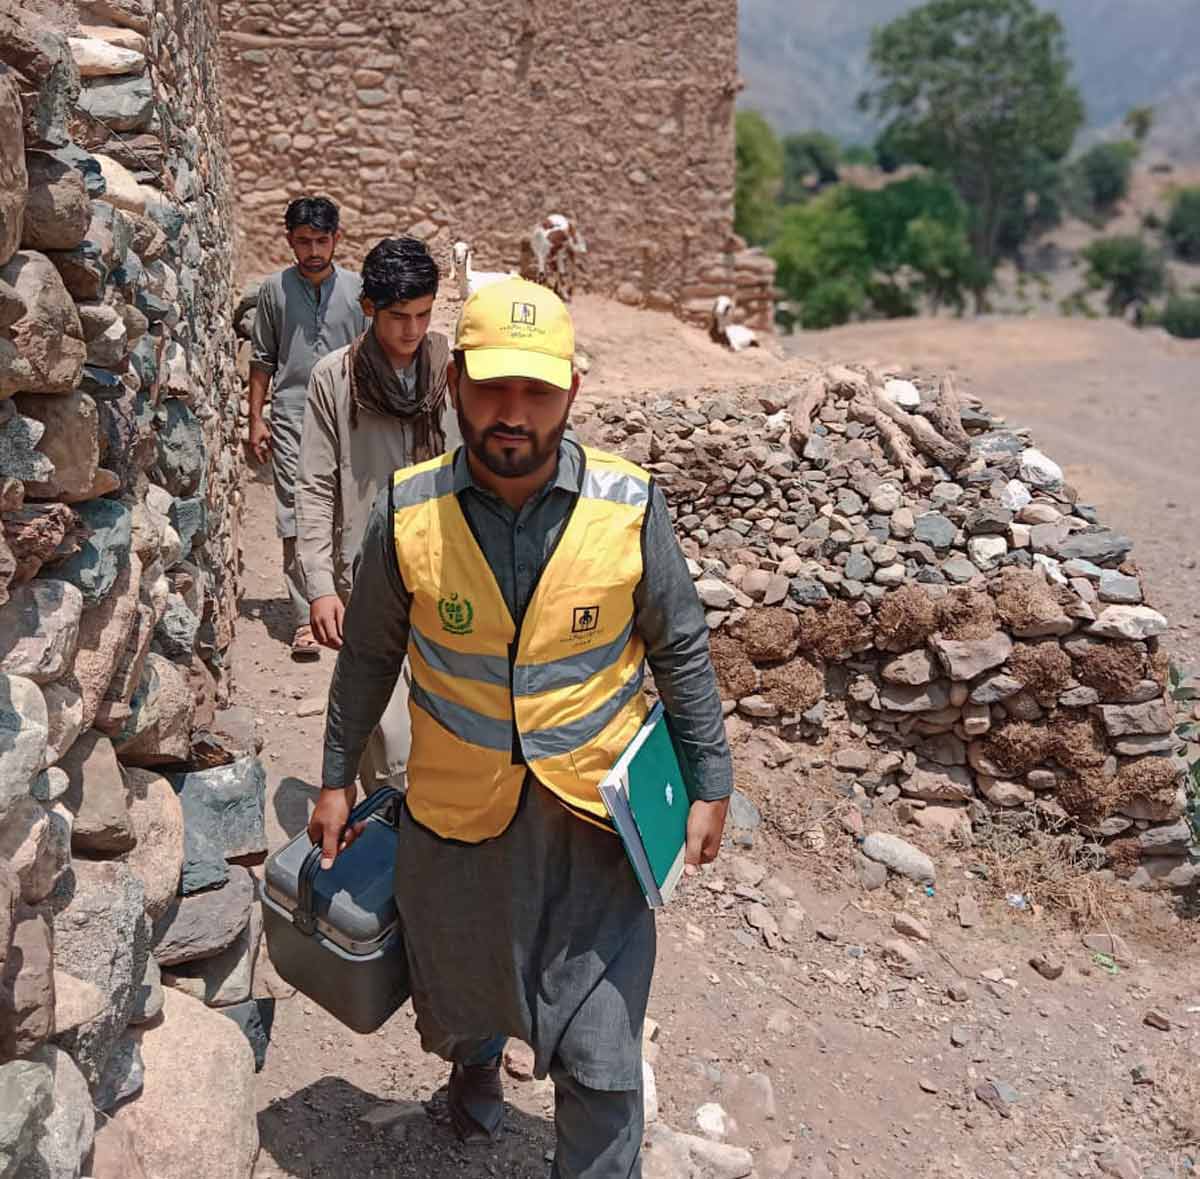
319,213
399,269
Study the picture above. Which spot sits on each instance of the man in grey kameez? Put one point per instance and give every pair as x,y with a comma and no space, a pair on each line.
375,406
304,313
541,932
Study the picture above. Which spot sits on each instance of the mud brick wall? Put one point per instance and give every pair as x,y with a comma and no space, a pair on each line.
119,491
474,120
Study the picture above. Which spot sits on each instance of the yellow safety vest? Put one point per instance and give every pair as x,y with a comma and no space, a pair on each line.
564,688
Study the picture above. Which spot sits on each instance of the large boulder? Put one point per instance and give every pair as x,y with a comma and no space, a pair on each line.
33,845
86,268
180,1131
71,442
19,457
158,825
23,735
97,57
66,1138
101,936
39,629
58,210
27,986
122,1075
224,813
46,75
76,1002
180,448
64,718
97,797
227,977
26,1099
160,725
115,1155
95,567
204,924
14,181
105,633
48,336
122,104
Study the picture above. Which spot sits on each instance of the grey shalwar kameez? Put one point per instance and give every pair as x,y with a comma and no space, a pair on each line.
344,463
296,324
541,933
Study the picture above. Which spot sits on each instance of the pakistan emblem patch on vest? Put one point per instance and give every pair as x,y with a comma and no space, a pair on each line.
456,616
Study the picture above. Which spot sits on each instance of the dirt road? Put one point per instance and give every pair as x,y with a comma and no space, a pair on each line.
827,1061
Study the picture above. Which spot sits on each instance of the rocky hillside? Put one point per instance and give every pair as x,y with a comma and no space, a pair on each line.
805,63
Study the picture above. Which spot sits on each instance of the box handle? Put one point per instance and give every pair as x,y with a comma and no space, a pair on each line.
305,917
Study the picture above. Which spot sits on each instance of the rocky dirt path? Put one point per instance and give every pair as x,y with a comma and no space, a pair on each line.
776,1003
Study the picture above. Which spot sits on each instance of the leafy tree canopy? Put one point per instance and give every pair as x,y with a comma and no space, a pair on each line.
975,89
758,177
1132,271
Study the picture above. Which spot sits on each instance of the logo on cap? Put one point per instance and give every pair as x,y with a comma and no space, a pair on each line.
524,313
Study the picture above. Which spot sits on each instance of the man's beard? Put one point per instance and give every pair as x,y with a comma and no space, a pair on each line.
316,265
511,462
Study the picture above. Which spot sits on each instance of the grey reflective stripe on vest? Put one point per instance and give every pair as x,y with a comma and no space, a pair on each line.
485,669
531,678
616,487
560,739
466,724
425,486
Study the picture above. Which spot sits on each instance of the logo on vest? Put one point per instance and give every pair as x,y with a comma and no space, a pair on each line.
456,616
584,619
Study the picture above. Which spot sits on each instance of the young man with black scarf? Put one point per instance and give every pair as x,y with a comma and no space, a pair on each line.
373,407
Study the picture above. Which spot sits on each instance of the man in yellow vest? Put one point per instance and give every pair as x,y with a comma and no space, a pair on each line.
528,580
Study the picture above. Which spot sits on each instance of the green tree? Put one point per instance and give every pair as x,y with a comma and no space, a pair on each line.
975,89
1140,121
941,256
1130,269
1182,316
823,264
811,161
916,232
860,153
1101,177
1183,224
758,177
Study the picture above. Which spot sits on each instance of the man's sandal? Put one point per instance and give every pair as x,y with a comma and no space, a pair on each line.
304,647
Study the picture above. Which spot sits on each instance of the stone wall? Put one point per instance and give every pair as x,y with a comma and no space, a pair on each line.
475,119
890,570
119,476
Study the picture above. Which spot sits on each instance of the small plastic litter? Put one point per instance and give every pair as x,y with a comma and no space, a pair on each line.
1106,962
929,890
1017,900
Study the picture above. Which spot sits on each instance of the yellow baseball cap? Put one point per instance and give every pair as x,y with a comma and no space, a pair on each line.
517,328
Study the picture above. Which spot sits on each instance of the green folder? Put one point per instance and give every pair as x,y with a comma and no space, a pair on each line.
648,802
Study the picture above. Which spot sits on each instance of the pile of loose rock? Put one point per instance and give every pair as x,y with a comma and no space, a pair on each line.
119,470
891,565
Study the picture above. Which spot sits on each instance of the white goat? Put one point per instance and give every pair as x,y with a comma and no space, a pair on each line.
469,279
557,245
734,336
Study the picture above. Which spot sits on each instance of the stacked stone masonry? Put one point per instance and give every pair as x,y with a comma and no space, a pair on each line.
119,494
475,119
890,568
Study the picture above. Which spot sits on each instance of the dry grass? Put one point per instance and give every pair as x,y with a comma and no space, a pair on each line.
905,619
736,676
1049,866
